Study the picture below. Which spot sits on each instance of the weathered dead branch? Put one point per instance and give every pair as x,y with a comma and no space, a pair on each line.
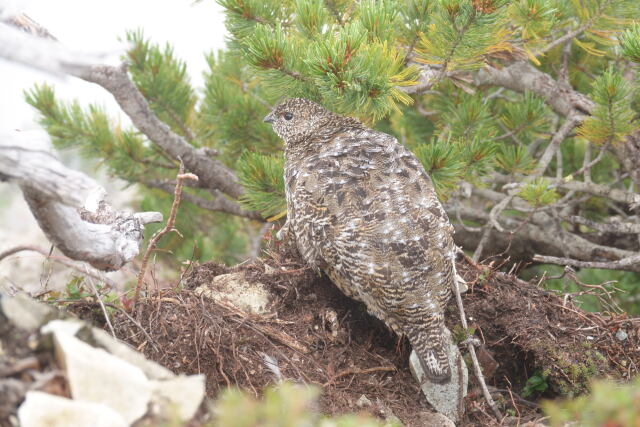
69,206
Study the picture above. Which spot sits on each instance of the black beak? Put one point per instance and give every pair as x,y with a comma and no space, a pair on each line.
269,118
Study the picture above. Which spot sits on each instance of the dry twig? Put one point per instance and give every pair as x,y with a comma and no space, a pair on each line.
359,372
603,295
167,228
104,310
474,358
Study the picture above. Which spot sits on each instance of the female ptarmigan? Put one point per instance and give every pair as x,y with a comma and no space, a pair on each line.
361,208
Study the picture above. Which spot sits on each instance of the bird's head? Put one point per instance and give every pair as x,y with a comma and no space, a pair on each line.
296,119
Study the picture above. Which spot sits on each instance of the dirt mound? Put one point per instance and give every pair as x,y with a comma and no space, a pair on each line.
316,335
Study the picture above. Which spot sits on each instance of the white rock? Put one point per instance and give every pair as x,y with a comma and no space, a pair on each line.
462,284
151,369
68,327
444,398
99,377
24,312
235,289
46,410
182,395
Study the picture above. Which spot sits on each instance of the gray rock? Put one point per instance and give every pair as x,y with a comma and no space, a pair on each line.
235,289
434,419
445,398
621,335
12,392
180,395
363,402
24,312
99,377
46,410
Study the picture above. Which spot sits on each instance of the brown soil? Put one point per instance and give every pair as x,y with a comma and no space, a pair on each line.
524,328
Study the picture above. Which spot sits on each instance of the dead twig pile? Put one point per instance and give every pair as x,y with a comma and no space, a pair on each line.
313,334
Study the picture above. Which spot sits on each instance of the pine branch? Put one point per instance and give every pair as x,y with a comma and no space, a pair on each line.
117,82
52,57
218,204
575,33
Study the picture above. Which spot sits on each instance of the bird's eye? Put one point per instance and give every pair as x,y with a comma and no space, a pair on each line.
287,116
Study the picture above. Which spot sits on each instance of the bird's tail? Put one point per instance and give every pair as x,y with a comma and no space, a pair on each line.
429,344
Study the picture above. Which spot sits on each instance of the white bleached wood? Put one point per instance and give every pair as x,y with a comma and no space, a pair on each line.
70,207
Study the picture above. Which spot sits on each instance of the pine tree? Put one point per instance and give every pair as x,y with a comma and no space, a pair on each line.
524,112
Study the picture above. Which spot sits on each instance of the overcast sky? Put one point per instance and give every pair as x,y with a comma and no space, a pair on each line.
91,26
95,26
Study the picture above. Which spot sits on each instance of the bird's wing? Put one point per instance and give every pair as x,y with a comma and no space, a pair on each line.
376,217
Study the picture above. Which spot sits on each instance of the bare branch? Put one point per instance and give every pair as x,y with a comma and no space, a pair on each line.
538,233
606,227
429,76
25,159
16,45
29,26
604,295
43,54
631,263
617,195
522,76
104,310
472,352
587,163
631,199
569,124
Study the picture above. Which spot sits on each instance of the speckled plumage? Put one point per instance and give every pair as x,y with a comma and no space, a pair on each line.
361,208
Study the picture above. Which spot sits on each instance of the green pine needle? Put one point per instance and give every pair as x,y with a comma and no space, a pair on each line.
611,121
630,43
538,193
442,162
263,179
